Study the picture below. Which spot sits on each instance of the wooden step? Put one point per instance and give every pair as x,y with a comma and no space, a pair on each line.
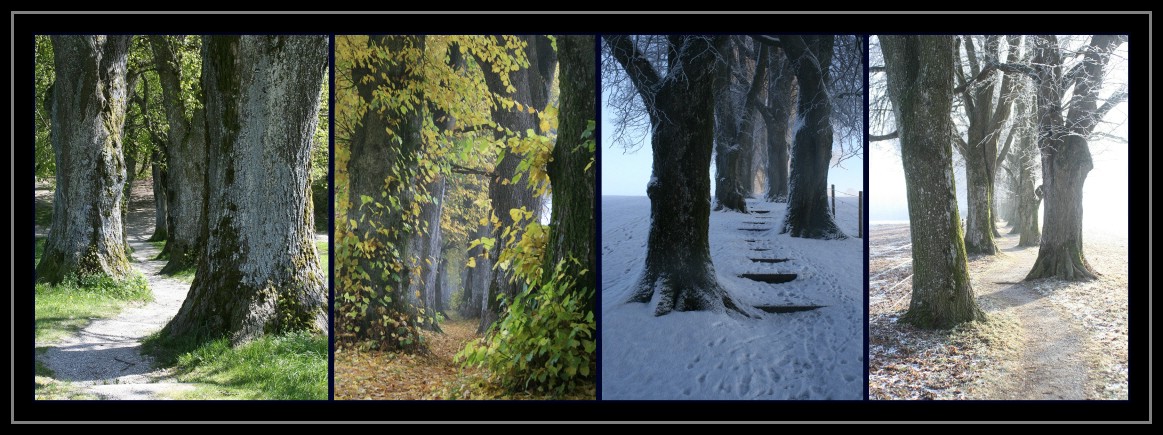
768,260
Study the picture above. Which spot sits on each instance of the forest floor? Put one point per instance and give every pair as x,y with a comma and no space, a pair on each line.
103,359
1043,339
817,353
430,375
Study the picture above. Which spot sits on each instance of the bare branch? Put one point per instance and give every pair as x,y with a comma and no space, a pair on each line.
881,137
637,67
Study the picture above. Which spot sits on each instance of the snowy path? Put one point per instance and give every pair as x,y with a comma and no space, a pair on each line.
814,354
105,357
1052,361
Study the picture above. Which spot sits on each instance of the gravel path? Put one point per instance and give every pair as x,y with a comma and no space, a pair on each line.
105,357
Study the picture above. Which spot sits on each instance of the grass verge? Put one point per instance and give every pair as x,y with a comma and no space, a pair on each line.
65,308
286,367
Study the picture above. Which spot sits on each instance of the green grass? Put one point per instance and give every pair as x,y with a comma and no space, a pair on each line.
39,249
322,247
44,214
288,367
65,308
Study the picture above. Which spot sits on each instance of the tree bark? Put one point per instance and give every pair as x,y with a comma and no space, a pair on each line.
920,85
678,258
572,216
186,157
1066,158
777,115
161,211
808,214
88,112
259,272
729,150
532,89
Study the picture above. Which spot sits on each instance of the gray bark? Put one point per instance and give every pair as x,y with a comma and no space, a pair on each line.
259,272
920,85
88,112
778,115
186,157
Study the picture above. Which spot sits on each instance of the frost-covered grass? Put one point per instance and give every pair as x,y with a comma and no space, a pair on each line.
816,354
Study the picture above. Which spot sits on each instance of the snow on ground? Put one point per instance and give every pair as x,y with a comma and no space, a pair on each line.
817,354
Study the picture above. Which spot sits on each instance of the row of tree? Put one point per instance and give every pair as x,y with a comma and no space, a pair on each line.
1054,87
704,96
448,147
227,126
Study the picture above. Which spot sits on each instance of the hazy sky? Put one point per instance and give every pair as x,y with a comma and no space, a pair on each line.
1105,193
627,173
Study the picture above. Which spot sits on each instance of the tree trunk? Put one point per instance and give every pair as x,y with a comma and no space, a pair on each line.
424,255
572,219
1066,158
259,272
161,212
678,258
808,214
441,283
186,157
532,89
88,112
781,98
729,107
978,221
920,85
381,164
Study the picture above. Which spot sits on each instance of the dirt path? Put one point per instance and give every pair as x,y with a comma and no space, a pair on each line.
1050,362
105,357
401,376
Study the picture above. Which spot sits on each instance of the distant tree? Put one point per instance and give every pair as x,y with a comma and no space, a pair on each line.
778,115
1068,112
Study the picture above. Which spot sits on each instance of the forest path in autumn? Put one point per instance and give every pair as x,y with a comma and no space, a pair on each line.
1049,363
104,358
374,375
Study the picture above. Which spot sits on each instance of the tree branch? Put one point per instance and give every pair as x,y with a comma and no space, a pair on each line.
637,67
470,171
770,41
881,137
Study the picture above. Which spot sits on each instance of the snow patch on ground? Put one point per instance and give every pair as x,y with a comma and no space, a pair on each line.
817,354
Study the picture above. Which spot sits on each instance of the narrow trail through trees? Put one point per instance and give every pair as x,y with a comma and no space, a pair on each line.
1051,360
105,357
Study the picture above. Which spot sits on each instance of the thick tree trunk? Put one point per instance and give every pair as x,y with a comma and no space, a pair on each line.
808,214
186,157
532,89
381,163
781,98
88,112
1066,158
920,84
259,273
572,219
678,259
441,284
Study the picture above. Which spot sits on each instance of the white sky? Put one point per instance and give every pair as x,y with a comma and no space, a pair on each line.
1105,193
627,173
